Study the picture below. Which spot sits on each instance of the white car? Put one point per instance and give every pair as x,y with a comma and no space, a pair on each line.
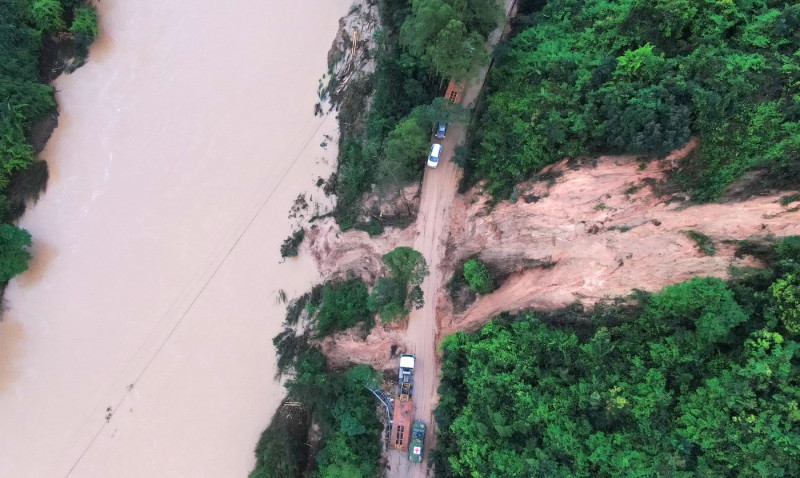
433,158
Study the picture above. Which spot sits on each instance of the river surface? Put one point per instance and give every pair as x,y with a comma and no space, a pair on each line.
139,342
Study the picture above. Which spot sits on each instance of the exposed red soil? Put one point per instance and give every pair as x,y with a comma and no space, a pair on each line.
600,225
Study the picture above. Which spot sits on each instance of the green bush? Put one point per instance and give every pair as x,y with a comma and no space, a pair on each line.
84,26
342,305
24,100
394,295
290,245
786,292
373,228
789,198
703,242
48,15
14,255
478,276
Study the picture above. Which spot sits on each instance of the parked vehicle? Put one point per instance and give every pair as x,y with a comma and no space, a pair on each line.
406,377
433,158
417,443
441,130
404,405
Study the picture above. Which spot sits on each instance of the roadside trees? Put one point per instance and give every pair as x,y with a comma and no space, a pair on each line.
449,34
395,294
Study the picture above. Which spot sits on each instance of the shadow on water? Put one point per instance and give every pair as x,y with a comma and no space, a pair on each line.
43,255
11,334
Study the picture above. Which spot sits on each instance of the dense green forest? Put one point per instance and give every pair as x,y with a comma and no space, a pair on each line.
39,38
335,404
699,380
641,77
421,44
347,442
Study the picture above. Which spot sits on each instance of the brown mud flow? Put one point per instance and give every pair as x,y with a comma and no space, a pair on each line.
139,343
591,232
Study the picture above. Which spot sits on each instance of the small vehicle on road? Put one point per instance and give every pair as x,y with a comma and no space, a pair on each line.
441,130
433,157
417,443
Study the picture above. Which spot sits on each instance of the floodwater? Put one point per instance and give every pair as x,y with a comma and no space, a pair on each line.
139,342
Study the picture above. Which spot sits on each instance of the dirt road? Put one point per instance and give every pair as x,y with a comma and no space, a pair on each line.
438,189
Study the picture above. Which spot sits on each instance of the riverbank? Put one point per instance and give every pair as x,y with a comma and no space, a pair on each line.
179,152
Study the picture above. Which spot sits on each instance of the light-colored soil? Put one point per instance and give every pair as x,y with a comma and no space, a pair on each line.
604,238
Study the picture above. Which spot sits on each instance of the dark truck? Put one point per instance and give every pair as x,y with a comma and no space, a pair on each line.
417,443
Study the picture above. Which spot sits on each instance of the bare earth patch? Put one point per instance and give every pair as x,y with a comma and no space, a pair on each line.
598,227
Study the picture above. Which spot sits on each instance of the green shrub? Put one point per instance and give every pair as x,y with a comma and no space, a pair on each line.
786,292
703,242
342,305
788,249
48,15
290,245
642,78
666,388
14,255
394,295
84,26
337,403
373,228
478,276
789,198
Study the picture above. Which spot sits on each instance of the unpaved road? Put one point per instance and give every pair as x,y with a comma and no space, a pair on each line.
438,189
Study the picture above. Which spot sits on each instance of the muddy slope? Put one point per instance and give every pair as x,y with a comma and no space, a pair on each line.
589,230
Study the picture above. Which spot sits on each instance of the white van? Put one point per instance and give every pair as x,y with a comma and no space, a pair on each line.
433,158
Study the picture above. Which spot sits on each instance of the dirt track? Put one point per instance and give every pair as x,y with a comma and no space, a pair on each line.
438,190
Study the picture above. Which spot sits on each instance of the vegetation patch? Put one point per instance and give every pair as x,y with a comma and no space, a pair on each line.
396,293
283,449
335,403
703,242
479,276
290,245
697,380
372,227
460,292
790,198
327,426
342,305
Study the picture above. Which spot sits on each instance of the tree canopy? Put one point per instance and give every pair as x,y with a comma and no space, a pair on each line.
395,294
701,379
449,35
26,99
641,77
14,254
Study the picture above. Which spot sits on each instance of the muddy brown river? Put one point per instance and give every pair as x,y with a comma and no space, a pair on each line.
139,342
